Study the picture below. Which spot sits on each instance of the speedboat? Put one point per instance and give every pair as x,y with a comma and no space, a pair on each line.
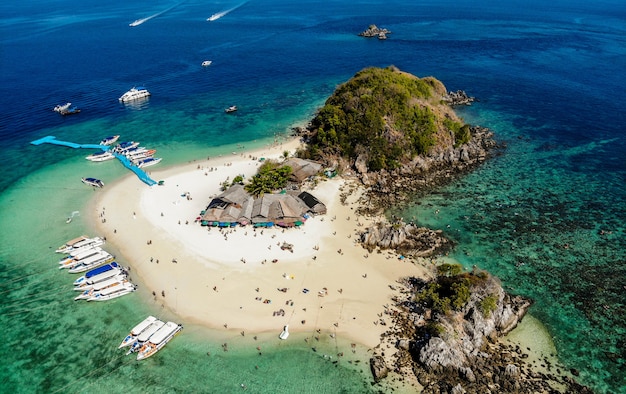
148,161
135,93
112,292
80,242
231,109
145,335
76,258
285,333
97,271
114,282
138,329
90,262
100,156
88,283
60,108
206,63
92,182
125,146
110,140
69,245
159,339
66,109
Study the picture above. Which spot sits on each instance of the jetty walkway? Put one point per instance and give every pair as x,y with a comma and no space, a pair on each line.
141,174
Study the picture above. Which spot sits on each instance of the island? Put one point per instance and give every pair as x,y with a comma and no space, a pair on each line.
375,31
338,268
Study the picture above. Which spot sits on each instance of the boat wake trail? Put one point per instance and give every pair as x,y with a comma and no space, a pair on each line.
220,14
140,21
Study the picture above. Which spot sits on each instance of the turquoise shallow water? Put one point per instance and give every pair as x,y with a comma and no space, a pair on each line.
546,215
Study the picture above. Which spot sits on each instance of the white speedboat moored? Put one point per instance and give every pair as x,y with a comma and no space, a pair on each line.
206,63
69,245
92,182
113,292
134,93
91,275
100,156
159,339
285,333
138,329
92,262
110,140
149,161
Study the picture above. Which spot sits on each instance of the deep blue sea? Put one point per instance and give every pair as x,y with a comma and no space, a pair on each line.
546,215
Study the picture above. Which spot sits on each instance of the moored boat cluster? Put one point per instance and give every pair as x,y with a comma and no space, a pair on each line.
150,336
104,278
138,155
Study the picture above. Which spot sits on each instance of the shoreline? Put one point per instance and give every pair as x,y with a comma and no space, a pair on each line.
222,279
225,279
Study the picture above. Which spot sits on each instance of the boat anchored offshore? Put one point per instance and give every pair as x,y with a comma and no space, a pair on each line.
206,63
135,93
92,182
131,338
231,109
66,109
159,339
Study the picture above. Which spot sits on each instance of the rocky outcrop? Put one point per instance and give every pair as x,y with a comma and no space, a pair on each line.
459,351
405,238
375,31
422,174
458,98
379,368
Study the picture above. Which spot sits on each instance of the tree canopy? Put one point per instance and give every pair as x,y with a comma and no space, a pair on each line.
384,113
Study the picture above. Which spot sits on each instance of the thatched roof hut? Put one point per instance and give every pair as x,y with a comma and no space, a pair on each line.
235,205
312,203
302,169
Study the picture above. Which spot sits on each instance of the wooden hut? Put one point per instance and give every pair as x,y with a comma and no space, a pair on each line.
312,203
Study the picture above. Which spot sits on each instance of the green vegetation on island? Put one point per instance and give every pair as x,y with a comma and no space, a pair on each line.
386,115
270,177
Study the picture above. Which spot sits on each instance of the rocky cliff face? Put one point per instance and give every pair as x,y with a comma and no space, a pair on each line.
466,331
423,173
459,351
405,238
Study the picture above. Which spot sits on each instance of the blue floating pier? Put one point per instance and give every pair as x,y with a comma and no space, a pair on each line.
141,174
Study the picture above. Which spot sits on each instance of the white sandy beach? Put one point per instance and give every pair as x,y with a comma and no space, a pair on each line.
227,278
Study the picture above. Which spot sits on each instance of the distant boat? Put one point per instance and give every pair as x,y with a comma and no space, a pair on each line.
206,63
137,22
231,109
285,333
110,140
134,93
60,108
92,182
66,109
